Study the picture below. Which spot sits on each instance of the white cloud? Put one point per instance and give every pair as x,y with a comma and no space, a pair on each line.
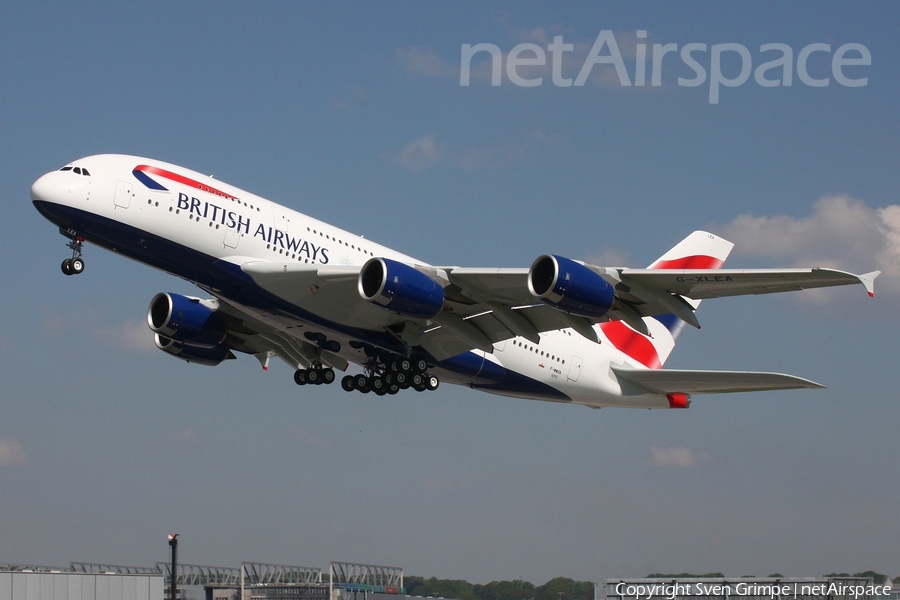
609,257
682,458
420,154
842,233
425,61
426,151
130,335
12,454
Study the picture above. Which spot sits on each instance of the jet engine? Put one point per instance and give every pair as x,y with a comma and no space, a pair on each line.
190,321
194,354
400,288
570,286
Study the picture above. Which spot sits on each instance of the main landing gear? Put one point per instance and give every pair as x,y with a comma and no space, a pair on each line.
74,265
380,378
398,374
316,376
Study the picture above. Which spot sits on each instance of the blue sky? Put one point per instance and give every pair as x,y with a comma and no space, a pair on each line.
354,114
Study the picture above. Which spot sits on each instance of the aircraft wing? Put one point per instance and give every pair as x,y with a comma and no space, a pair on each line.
484,306
664,381
699,284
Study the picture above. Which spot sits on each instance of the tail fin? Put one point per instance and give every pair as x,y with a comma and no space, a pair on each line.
699,250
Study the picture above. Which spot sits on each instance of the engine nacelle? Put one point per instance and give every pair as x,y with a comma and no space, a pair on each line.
570,286
194,354
400,288
185,320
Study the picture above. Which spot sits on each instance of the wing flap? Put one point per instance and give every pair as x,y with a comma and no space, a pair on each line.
665,381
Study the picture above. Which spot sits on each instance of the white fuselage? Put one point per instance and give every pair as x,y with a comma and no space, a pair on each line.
196,221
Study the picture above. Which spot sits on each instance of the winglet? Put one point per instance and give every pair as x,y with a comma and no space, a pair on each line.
868,280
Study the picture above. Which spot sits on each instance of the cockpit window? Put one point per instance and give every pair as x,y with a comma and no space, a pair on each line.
77,170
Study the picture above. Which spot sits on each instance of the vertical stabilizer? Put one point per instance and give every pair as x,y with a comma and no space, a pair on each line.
699,250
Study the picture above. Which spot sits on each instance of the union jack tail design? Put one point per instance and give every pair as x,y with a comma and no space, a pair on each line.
700,250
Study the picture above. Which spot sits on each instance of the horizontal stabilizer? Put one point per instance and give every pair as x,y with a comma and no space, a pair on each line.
665,381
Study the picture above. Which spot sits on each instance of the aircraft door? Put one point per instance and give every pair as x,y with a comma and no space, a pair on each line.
575,368
232,236
122,198
281,220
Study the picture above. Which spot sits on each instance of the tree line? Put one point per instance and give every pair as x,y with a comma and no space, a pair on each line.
559,588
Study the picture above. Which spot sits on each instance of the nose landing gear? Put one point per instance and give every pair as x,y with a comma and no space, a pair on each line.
74,265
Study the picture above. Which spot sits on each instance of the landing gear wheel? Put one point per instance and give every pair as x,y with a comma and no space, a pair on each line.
420,365
417,381
432,382
348,382
393,389
362,383
313,376
328,375
420,387
300,377
76,265
401,378
378,385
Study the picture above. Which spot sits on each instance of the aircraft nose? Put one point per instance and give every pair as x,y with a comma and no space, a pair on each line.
45,188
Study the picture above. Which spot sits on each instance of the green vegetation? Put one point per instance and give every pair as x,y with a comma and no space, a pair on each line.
877,578
682,575
560,588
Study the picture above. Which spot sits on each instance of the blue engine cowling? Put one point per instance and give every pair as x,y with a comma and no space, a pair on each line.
400,288
185,320
570,286
194,354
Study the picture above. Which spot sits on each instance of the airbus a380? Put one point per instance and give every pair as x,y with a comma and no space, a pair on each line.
285,285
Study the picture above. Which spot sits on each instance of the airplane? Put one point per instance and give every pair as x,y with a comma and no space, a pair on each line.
286,285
